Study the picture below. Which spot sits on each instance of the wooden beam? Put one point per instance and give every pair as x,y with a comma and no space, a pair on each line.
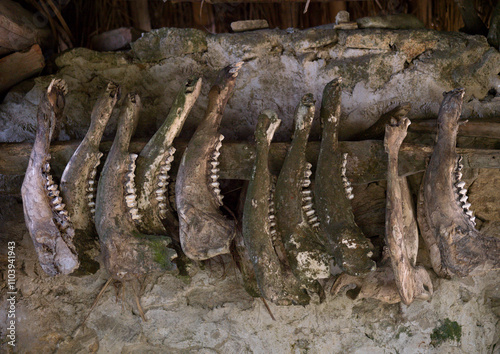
251,1
367,161
484,128
19,66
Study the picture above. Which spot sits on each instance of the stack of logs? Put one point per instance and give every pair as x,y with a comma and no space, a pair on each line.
21,38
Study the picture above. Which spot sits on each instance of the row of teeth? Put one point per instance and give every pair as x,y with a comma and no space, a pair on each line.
91,187
62,219
345,181
307,199
271,215
462,192
163,183
214,171
130,191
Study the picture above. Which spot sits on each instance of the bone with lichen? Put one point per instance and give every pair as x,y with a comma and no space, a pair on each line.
401,236
79,179
157,215
204,231
276,282
447,225
295,215
338,231
127,252
46,218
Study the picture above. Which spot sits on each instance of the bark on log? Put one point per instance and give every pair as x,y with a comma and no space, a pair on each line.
19,66
366,162
19,29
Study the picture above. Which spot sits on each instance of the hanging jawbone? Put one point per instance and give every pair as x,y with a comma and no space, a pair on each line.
157,215
47,219
204,231
333,192
296,219
127,252
447,225
401,235
275,280
79,179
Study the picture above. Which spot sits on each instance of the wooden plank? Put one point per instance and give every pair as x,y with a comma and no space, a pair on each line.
367,161
19,66
484,128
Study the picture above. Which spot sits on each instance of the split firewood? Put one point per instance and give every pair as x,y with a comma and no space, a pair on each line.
20,66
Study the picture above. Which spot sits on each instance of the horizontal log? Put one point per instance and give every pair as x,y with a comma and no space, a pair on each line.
484,128
20,66
249,1
367,160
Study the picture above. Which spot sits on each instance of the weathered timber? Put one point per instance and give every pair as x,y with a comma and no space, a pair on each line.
18,28
19,66
366,162
483,128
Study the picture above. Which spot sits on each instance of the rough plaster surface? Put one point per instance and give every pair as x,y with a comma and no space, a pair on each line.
381,68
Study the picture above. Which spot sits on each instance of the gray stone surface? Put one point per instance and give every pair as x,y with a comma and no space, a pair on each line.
381,69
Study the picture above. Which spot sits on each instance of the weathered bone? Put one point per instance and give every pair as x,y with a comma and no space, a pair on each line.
78,181
53,243
275,280
203,230
338,231
155,161
455,246
308,260
401,233
127,252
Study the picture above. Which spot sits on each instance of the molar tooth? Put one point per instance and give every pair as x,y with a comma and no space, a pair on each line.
458,175
215,164
271,210
52,187
315,224
464,198
310,212
307,207
54,193
59,207
307,173
218,146
466,206
271,216
161,184
308,165
221,137
306,183
216,154
350,196
90,189
169,159
217,191
215,184
214,177
130,198
91,204
57,200
473,220
462,191
162,206
460,184
161,198
92,174
313,219
307,199
91,182
92,211
160,191
306,192
162,177
63,213
469,213
348,190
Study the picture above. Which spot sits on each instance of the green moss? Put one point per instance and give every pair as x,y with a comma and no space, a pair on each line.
405,330
162,254
448,330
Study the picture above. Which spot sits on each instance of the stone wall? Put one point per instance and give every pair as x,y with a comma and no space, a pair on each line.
210,312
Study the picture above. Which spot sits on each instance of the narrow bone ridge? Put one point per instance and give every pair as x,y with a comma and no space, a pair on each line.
163,183
461,192
60,214
130,191
213,180
345,181
307,199
92,187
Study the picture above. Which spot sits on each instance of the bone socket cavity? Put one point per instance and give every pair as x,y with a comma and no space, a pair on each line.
130,191
213,180
163,182
462,192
